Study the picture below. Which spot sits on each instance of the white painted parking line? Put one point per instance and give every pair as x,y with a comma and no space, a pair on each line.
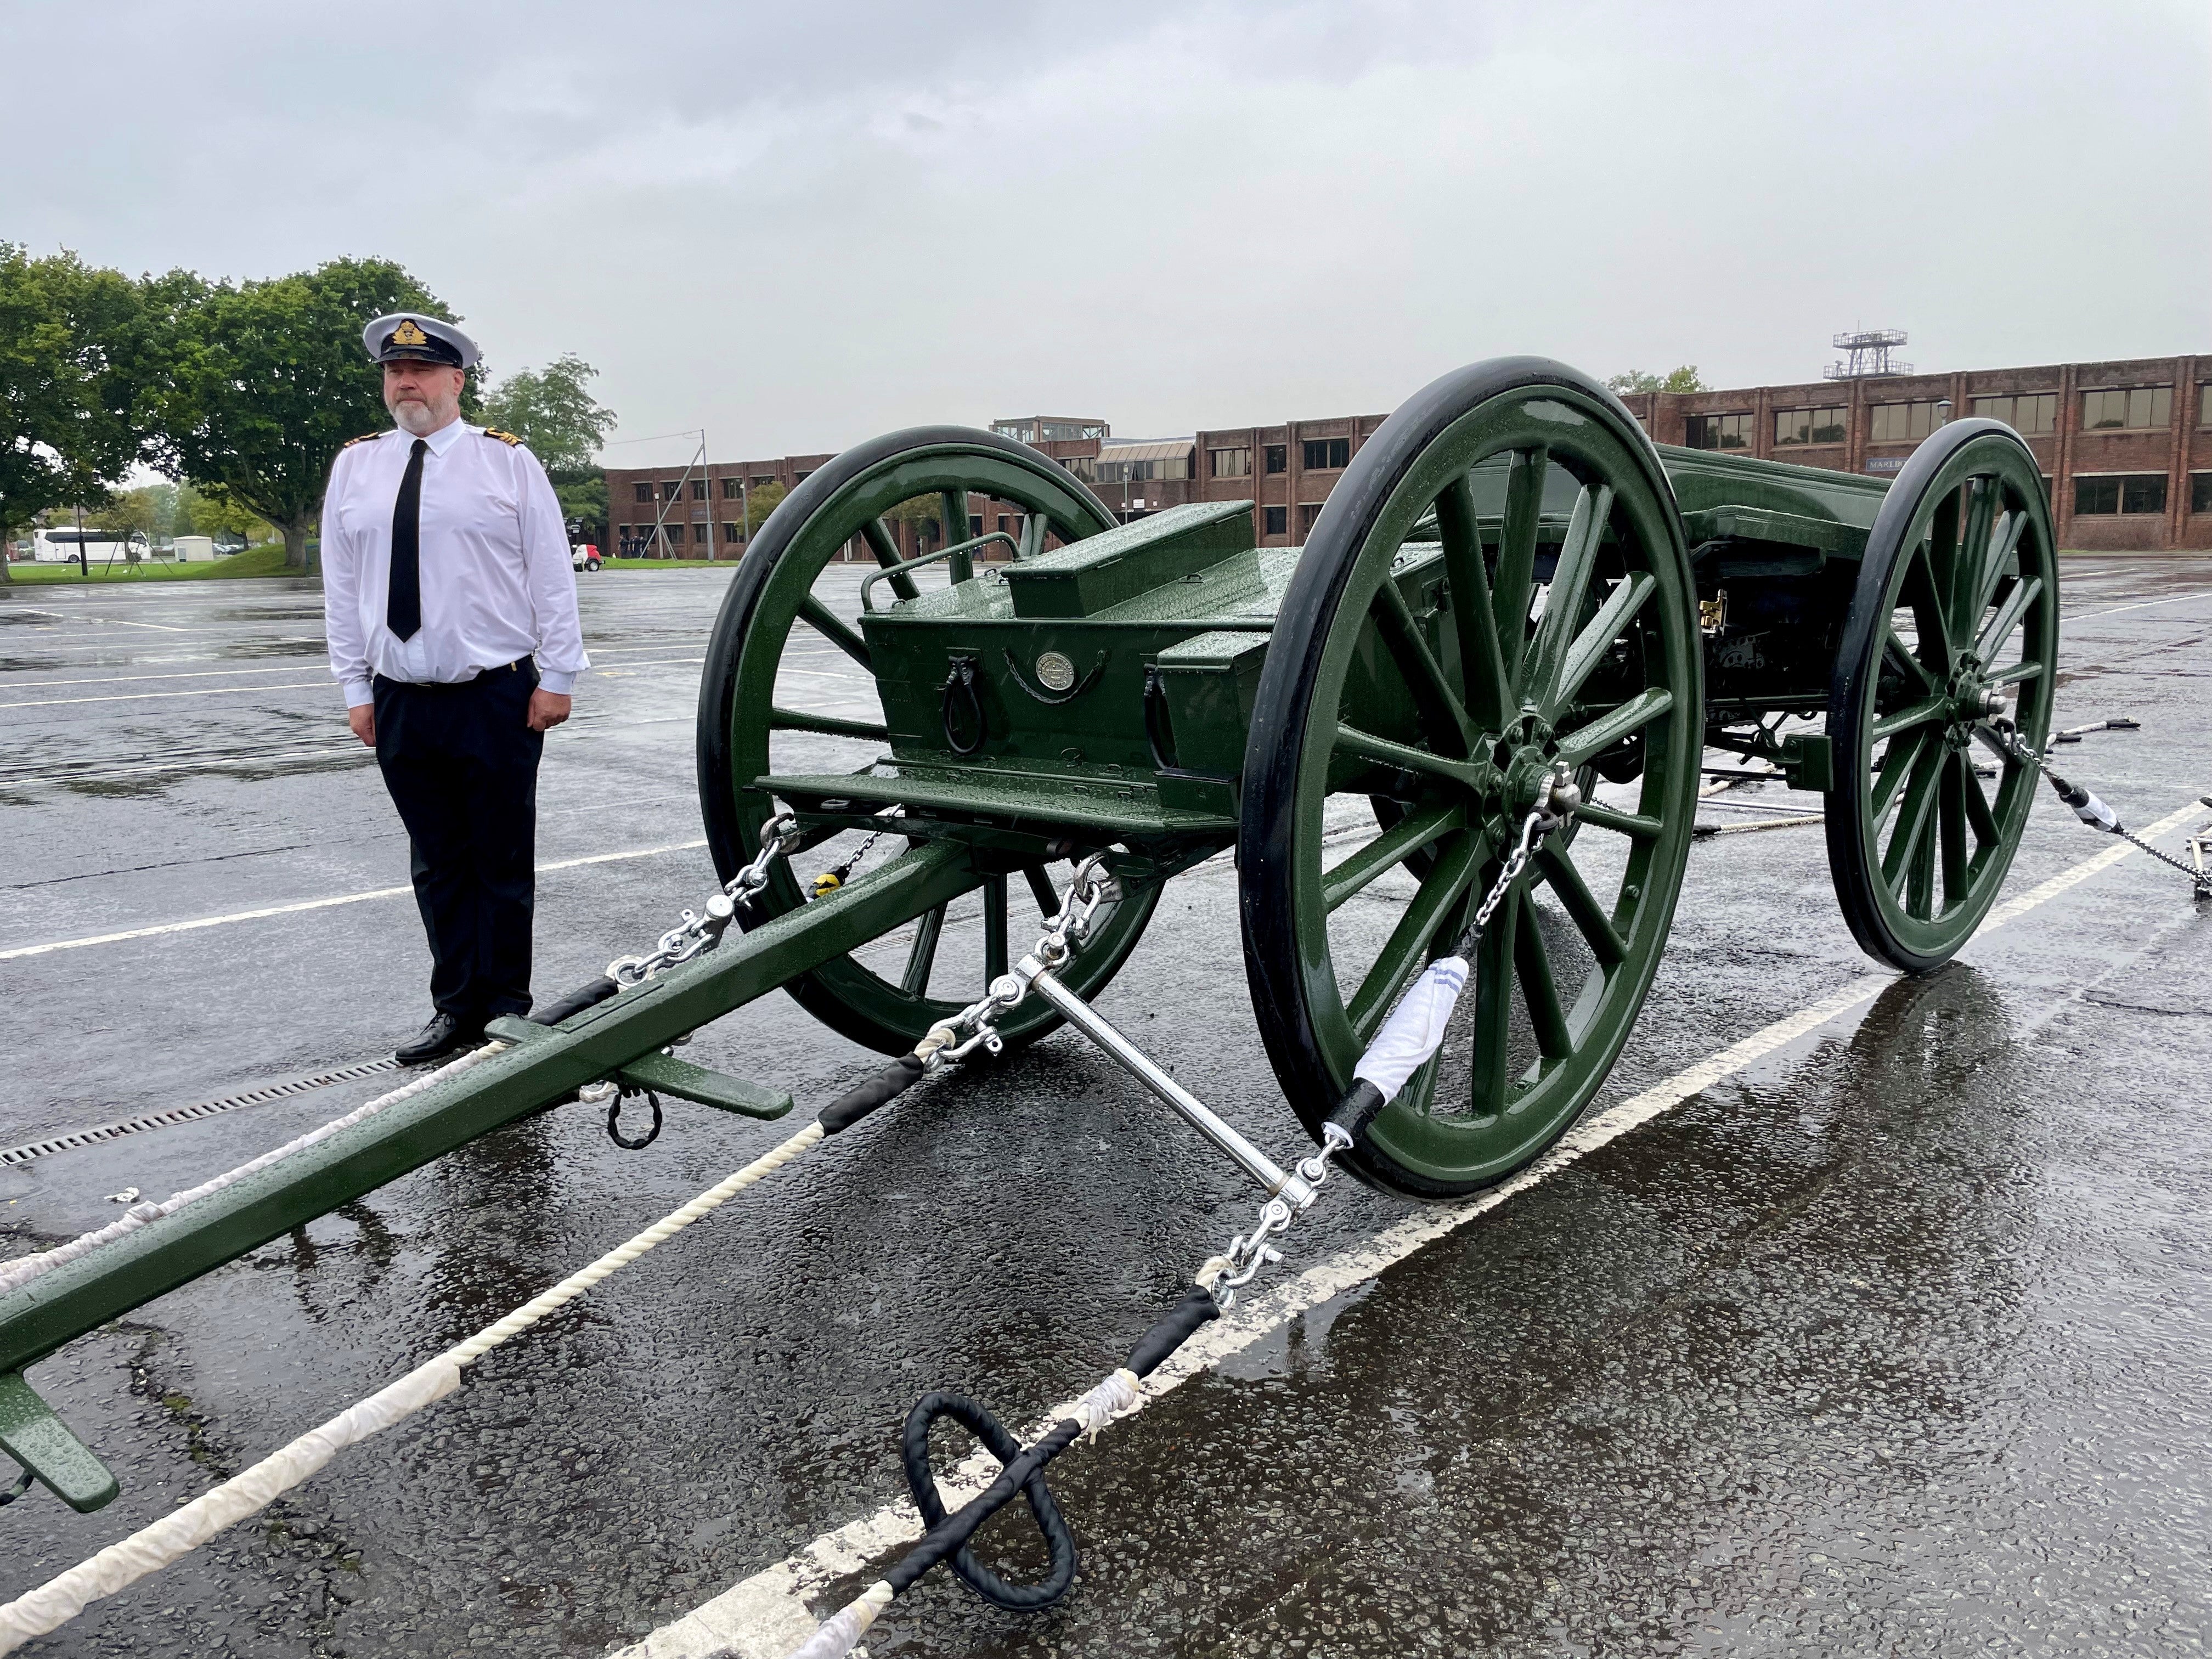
765,1616
325,683
330,903
78,616
2147,605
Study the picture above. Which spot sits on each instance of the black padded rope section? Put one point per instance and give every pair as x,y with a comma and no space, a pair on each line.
583,997
856,1102
1359,1107
1023,1471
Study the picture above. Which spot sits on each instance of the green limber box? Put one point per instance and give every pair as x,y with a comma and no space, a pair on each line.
1131,559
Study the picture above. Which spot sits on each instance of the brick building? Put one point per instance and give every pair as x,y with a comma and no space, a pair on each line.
2126,449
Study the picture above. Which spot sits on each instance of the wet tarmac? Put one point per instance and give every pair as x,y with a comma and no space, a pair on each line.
1898,1340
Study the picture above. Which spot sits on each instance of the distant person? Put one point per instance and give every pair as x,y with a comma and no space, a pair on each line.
450,612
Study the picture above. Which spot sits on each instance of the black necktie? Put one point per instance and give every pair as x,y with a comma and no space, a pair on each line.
403,592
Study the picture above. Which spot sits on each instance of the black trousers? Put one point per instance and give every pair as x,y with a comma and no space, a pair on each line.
461,764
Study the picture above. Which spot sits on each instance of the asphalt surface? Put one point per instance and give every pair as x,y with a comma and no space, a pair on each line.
1897,1341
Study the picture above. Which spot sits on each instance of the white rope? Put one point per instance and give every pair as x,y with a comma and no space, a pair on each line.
62,1598
15,1275
837,1634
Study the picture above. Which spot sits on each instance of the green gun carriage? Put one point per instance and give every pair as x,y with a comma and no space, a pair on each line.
1513,602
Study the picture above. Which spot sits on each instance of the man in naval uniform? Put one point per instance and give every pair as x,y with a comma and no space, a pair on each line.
451,611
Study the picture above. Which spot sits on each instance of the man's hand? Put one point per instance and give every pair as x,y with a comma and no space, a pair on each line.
362,717
547,710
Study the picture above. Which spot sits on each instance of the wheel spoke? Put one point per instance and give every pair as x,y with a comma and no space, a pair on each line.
1434,695
994,928
1407,949
2025,592
1517,559
1923,591
1978,816
1582,906
2016,673
1896,766
1402,756
923,956
1634,825
1923,712
1391,848
1901,653
1914,817
1539,991
1600,734
1493,1031
833,629
796,720
1969,560
952,504
884,546
1951,818
1489,698
1569,586
1041,889
1591,645
2003,543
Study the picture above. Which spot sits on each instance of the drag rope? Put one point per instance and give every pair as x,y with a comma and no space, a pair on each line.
62,1598
13,1275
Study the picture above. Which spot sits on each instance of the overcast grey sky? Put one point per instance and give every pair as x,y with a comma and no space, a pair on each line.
798,226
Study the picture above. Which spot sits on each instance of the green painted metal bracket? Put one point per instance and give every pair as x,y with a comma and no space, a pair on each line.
42,1444
1808,761
80,1296
667,1075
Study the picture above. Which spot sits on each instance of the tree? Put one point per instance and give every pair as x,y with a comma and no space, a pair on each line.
82,354
270,382
760,501
921,514
1684,379
203,514
583,493
549,410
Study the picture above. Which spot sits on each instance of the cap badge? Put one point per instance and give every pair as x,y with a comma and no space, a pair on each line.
408,335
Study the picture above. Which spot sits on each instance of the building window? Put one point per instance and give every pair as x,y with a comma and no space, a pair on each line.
1718,431
763,480
1903,423
1307,511
1810,425
732,532
2204,405
2030,414
643,492
1232,463
1002,524
2101,493
2200,492
1085,467
670,489
1277,518
698,490
974,525
701,533
2139,408
1278,457
798,479
622,532
733,488
1321,453
671,533
2145,493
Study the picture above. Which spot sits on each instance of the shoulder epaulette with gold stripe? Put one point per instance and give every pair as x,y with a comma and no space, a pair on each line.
365,438
504,437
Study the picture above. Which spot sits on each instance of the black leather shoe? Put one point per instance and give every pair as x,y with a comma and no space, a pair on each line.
442,1038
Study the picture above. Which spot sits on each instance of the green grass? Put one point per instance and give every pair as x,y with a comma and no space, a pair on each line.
254,562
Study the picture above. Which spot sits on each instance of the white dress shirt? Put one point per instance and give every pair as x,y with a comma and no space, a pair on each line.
493,564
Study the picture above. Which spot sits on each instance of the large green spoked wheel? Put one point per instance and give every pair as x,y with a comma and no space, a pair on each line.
779,698
1957,606
1552,621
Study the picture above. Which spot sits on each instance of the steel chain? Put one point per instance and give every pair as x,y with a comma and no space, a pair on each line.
699,930
2008,739
976,1026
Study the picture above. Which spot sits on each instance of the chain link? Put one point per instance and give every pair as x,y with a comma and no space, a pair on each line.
2007,737
699,930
